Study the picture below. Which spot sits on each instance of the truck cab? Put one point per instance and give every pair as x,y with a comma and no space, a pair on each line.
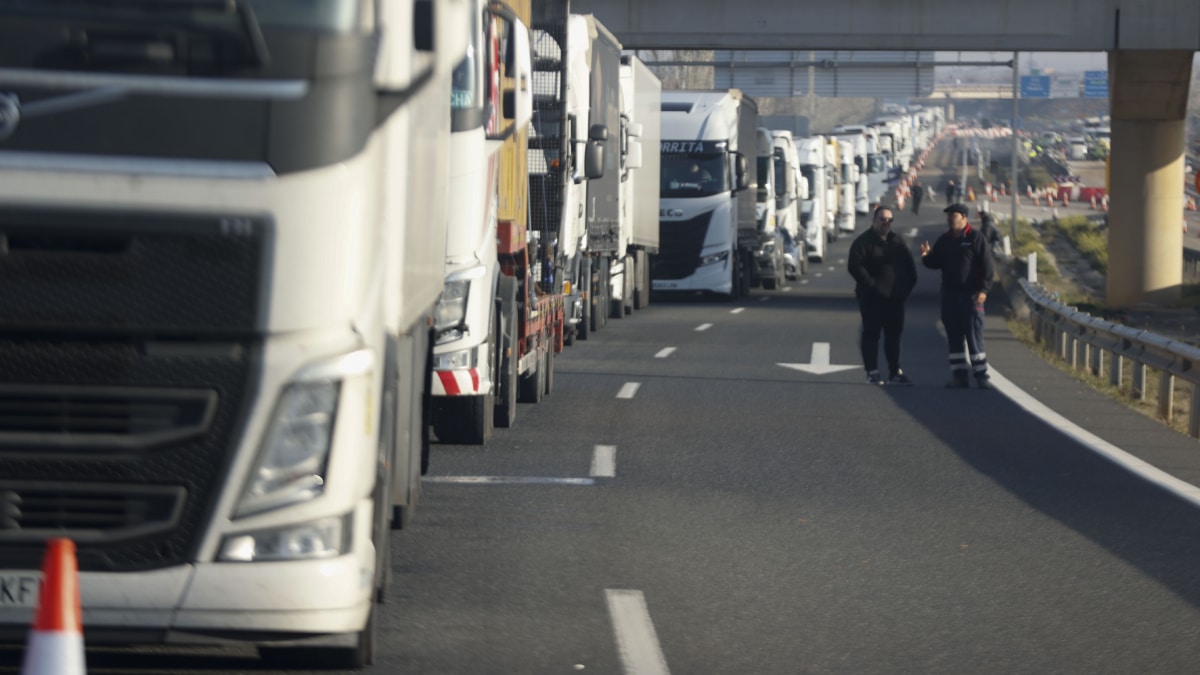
768,257
814,211
703,226
790,189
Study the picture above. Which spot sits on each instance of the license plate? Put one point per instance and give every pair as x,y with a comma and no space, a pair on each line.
19,589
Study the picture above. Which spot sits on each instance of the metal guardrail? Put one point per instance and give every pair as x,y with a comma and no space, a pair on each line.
1105,348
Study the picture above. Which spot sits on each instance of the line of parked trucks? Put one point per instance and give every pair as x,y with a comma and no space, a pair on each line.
255,258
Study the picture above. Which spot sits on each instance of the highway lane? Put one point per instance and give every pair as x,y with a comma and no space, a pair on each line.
766,520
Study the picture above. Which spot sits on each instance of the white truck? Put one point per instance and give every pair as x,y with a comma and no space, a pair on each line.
856,145
222,225
843,156
768,255
575,162
641,123
873,169
790,189
482,362
817,213
708,233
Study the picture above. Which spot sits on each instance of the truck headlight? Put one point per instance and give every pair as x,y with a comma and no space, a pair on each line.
291,462
451,309
714,258
316,539
461,359
767,249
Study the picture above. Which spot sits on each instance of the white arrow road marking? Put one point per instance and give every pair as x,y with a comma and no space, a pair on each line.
819,365
664,353
637,642
629,390
739,310
604,461
703,327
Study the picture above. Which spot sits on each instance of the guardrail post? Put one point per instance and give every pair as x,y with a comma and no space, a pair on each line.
1031,268
1116,369
1194,417
1097,362
1074,355
1166,395
1139,381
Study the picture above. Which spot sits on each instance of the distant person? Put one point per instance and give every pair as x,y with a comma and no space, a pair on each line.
951,191
918,193
987,225
883,267
965,260
929,194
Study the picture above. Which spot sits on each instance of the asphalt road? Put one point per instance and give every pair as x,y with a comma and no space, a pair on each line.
762,519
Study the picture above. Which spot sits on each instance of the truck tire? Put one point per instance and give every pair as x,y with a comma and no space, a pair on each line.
465,420
549,378
641,294
584,327
505,414
533,384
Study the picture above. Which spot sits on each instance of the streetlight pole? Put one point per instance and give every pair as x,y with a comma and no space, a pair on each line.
1016,143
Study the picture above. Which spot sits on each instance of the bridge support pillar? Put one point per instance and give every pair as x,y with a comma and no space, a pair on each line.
1148,92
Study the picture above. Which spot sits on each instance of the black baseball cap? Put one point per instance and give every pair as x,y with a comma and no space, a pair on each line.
957,208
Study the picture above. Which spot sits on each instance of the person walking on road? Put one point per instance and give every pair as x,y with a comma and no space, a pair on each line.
918,193
965,259
883,267
951,191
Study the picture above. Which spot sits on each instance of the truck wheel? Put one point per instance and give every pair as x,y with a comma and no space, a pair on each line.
641,291
465,420
549,377
532,384
506,379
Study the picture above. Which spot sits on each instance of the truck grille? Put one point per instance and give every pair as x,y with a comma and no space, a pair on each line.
80,418
680,243
32,512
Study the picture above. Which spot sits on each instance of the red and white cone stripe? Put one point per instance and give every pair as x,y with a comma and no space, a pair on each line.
456,382
55,645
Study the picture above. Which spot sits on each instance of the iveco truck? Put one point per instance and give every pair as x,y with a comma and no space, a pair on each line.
707,230
222,228
817,212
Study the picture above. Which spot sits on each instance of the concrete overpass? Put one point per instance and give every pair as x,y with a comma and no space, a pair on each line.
1150,45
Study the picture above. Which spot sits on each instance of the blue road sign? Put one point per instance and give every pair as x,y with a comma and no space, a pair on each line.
1095,84
1035,86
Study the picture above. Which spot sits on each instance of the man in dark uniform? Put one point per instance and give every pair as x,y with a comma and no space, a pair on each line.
965,259
882,264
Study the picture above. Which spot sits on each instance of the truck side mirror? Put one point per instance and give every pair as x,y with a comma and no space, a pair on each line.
743,174
598,132
518,101
593,157
633,156
802,191
434,34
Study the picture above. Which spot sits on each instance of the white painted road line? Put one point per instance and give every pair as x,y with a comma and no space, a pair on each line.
739,310
664,353
637,643
913,232
508,480
820,274
604,461
804,282
786,289
629,390
1149,472
703,327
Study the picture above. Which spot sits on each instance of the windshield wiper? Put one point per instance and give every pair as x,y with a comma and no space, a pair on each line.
251,29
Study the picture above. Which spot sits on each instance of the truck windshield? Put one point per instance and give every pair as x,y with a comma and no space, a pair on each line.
326,15
876,163
781,169
693,175
764,187
847,173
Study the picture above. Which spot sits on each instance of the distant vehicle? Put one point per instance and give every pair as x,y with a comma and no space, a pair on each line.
1077,148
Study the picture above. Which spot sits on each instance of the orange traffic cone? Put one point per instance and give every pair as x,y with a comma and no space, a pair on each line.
970,194
55,644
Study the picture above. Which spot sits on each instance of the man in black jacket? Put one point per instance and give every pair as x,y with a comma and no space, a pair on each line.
882,264
965,259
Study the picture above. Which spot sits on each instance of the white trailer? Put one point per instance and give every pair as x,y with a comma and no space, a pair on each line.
641,100
231,280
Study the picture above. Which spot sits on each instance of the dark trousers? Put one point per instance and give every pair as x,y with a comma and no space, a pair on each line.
917,200
887,316
963,320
